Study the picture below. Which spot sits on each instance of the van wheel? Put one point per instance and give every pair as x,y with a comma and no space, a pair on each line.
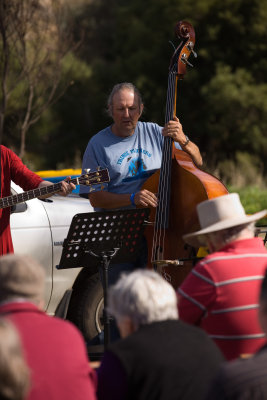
86,307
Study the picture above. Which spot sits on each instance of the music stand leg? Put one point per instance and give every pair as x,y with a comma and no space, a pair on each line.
104,265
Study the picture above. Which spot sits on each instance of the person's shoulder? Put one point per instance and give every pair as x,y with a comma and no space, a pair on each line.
3,148
100,135
196,335
252,367
5,151
193,331
149,126
202,266
241,379
244,378
206,269
150,130
210,258
123,345
66,326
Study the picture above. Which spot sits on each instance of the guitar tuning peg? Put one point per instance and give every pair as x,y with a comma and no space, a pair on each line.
91,189
87,170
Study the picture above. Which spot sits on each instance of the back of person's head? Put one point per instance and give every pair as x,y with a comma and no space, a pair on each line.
225,236
144,297
14,372
21,277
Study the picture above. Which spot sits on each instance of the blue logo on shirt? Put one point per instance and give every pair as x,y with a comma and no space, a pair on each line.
137,166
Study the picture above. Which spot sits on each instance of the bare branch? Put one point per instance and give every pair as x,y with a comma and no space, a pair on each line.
35,38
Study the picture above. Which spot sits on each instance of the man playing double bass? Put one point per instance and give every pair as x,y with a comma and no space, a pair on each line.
132,152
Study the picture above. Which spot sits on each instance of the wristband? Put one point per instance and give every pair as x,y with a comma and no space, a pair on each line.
186,142
132,199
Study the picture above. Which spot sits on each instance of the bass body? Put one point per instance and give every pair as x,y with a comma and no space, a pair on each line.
189,186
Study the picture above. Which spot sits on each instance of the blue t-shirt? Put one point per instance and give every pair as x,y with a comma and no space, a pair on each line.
130,161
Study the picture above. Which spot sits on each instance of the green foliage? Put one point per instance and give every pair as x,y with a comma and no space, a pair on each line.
245,170
62,131
239,107
253,199
222,102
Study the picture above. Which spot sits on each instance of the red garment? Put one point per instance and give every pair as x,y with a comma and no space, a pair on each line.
55,352
221,296
12,169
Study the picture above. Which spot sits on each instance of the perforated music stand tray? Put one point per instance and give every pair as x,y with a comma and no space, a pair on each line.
100,232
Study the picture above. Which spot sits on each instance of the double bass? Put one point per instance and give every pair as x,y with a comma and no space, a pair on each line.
179,184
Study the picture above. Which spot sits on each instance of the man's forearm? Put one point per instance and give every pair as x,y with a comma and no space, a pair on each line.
192,149
109,200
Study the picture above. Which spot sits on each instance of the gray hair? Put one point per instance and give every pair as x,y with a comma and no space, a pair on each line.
228,235
144,297
21,277
117,88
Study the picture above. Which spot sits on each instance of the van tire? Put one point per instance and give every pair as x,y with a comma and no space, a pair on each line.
86,307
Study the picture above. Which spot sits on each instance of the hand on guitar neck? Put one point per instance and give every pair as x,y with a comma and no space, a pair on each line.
46,188
66,187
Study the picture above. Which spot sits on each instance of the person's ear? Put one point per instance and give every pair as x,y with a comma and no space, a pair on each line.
141,109
126,327
210,245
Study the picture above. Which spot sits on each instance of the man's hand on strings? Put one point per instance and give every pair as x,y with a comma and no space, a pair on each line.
174,130
145,198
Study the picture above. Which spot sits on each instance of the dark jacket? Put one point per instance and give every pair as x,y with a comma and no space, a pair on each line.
163,360
243,379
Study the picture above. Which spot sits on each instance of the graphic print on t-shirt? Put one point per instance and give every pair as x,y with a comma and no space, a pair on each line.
136,166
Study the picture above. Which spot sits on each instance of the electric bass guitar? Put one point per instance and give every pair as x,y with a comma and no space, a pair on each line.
88,179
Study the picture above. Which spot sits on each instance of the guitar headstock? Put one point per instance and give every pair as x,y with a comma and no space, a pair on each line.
184,31
94,178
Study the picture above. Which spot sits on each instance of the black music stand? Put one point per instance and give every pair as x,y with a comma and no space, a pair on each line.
96,238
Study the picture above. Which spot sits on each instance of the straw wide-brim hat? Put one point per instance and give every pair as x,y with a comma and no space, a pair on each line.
220,213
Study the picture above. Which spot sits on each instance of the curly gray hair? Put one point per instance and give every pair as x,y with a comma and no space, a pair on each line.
144,297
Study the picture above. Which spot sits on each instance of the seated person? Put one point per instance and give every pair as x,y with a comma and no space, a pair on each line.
220,294
158,357
54,349
245,378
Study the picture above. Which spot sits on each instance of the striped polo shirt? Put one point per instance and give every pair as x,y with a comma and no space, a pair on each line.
221,296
